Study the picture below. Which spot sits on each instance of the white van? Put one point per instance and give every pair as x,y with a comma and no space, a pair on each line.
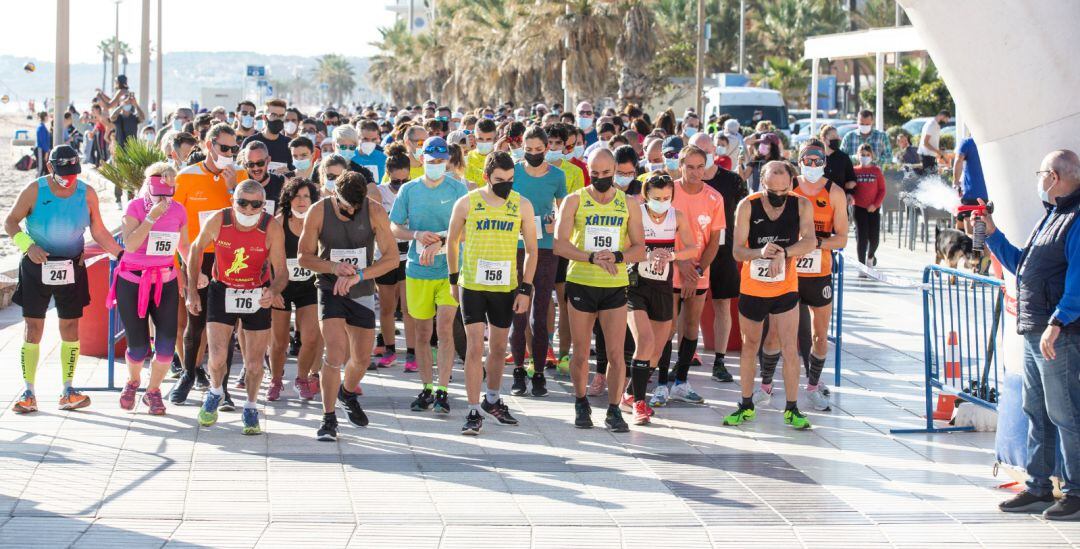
743,102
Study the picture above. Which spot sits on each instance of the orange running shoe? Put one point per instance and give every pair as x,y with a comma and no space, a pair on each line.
26,404
551,360
73,400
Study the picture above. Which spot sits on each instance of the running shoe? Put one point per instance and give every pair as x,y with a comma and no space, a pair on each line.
410,364
685,393
499,411
582,414
818,398
227,404
176,368
642,413
1026,502
796,419
387,360
519,387
182,389
563,369
615,422
294,344
202,381
720,373
442,402
73,400
872,261
352,405
627,403
740,416
423,401
530,368
1066,508
274,392
660,396
824,388
241,380
250,417
762,396
301,388
695,360
539,385
473,423
327,430
152,400
598,385
127,396
551,361
26,404
208,414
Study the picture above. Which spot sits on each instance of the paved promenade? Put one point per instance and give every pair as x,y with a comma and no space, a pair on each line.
103,477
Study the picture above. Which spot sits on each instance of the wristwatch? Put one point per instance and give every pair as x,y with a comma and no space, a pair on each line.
1055,321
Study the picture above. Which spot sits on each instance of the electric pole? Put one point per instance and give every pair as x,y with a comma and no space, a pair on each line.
699,66
61,85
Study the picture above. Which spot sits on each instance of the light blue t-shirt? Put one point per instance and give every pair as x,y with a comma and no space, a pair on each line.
57,224
541,192
374,162
422,208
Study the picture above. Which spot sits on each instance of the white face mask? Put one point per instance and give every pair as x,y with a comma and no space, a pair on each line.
485,148
290,127
865,128
865,160
299,215
367,148
1044,194
623,181
710,160
222,162
659,206
812,173
246,220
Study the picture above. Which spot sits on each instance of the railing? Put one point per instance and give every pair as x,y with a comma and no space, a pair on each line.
962,319
836,322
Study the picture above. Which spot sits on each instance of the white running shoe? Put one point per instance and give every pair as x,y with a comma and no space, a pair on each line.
685,393
819,399
760,397
660,396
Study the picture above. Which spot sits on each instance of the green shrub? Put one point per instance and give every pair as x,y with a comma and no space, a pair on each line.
126,168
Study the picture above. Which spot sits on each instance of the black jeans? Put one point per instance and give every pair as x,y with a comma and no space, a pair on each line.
868,232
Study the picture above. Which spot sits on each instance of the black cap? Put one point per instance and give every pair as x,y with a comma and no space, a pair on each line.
64,160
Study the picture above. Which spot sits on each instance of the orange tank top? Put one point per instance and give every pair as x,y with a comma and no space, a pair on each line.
818,262
783,231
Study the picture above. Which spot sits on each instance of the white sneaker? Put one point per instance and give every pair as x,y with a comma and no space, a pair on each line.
760,397
659,397
819,399
685,393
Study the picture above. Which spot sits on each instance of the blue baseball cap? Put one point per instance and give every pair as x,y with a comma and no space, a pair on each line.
672,143
435,148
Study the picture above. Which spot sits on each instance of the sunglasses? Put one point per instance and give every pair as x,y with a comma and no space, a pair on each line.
346,147
255,164
227,148
254,204
661,178
398,182
812,161
671,155
66,161
436,149
585,113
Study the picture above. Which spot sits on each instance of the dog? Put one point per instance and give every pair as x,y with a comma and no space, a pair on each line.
953,247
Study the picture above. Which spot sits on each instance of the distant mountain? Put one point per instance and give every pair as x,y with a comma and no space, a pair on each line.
186,73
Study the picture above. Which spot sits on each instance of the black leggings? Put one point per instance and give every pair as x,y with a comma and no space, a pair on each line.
868,227
137,329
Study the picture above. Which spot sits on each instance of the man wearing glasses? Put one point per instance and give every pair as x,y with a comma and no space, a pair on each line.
249,245
245,120
204,188
257,160
273,134
585,119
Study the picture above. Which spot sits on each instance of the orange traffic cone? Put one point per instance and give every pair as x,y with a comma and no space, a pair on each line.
945,406
952,364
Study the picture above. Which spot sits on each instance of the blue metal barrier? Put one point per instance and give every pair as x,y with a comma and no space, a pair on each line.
116,334
962,319
836,322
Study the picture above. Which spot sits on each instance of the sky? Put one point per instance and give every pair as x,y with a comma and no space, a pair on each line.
323,26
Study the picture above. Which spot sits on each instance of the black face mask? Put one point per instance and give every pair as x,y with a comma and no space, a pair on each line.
534,160
602,184
275,126
776,200
834,144
502,189
396,184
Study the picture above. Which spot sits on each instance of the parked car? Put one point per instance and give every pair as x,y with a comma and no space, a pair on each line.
743,103
915,125
803,132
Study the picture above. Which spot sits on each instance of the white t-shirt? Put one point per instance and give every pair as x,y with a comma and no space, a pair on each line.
931,131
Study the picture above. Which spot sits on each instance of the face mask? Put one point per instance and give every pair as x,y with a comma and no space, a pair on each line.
655,167
864,128
247,121
434,171
158,187
395,185
245,219
502,189
584,122
347,154
517,154
710,160
223,162
776,199
671,164
623,181
1044,195
275,126
66,181
330,130
689,131
149,138
299,215
301,165
763,149
128,108
330,184
602,184
579,151
177,124
455,125
485,148
260,125
290,127
231,120
865,160
834,144
367,148
418,154
311,137
812,173
350,215
659,206
534,159
553,157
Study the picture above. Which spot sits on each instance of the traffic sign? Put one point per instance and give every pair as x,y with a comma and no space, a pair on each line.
269,91
262,83
256,70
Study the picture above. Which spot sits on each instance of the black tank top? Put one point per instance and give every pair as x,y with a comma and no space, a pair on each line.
355,234
784,230
292,241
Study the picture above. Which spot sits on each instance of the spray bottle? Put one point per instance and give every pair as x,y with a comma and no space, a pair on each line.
978,224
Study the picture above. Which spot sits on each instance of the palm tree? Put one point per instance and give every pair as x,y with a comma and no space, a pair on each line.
337,74
784,25
106,49
635,49
787,76
876,14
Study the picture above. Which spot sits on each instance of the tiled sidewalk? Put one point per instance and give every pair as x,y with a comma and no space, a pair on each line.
105,477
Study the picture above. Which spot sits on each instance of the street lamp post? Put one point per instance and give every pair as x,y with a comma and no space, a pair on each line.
144,57
159,93
742,36
699,65
116,43
61,85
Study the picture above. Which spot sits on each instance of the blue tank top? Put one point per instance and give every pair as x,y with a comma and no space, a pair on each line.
57,224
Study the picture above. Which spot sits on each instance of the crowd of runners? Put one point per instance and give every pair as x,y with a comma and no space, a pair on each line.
271,232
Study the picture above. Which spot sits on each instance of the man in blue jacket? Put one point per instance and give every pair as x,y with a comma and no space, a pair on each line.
1047,273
